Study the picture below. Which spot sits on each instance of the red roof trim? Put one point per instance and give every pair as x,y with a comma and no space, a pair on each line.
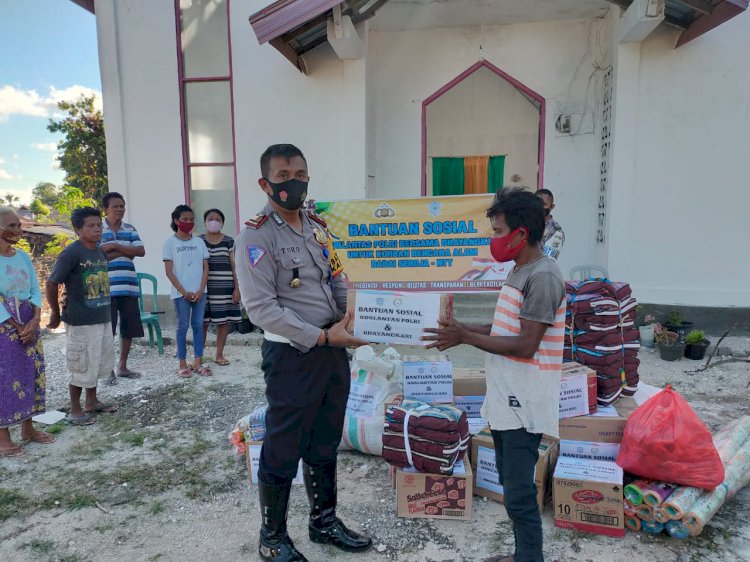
720,14
283,16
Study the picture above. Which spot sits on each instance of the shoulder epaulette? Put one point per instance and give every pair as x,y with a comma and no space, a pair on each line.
317,219
256,221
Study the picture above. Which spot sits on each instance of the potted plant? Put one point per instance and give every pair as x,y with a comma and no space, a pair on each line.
671,347
675,323
696,345
647,331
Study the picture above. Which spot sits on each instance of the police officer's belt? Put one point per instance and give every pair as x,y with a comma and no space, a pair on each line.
281,339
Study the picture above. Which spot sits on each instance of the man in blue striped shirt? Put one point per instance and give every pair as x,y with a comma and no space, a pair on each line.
121,244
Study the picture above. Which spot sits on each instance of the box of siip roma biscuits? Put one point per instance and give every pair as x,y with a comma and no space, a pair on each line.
435,496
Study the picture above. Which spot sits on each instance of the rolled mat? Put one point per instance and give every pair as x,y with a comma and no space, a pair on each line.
677,529
628,508
737,477
656,493
644,512
660,516
652,527
634,491
633,523
728,441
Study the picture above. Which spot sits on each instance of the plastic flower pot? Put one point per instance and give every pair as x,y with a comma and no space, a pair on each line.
647,335
680,329
671,352
696,351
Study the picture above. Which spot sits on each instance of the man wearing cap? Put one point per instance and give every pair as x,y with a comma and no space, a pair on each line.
292,286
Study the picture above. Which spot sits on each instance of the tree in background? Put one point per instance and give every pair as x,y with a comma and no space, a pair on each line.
39,209
71,198
83,152
46,192
10,200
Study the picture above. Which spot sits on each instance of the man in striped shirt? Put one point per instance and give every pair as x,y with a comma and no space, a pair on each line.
524,346
121,244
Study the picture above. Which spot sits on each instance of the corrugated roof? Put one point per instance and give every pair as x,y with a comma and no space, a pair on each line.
696,17
295,27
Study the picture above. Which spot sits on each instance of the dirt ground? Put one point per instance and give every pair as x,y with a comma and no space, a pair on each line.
159,481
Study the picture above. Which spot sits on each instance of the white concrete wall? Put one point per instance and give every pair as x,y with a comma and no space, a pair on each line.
555,59
678,212
322,113
138,61
485,115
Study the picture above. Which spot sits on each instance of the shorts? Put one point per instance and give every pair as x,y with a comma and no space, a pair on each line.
130,317
89,353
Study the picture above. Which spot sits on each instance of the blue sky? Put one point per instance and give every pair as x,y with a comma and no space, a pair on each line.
49,53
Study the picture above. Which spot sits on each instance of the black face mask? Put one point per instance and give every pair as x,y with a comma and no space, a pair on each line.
547,212
289,194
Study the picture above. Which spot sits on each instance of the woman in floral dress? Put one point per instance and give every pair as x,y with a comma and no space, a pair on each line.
22,376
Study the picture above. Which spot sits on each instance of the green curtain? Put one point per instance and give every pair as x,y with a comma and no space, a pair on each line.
496,173
447,176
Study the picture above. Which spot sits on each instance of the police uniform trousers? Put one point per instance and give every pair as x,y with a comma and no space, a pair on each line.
307,395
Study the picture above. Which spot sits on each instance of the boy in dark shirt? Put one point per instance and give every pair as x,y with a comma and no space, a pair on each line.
89,348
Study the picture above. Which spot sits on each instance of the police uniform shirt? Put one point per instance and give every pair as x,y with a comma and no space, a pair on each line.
285,277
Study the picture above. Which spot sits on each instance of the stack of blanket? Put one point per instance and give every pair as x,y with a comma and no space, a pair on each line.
600,332
430,438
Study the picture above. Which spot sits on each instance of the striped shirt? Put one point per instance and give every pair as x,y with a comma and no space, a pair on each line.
525,393
123,280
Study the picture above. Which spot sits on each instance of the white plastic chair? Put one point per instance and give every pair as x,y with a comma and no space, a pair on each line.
583,272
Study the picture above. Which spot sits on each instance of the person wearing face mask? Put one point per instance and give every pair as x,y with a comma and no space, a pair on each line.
524,346
554,237
222,291
292,286
186,265
22,375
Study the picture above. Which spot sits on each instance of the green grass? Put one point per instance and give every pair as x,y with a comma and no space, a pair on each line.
10,502
156,508
154,558
39,546
135,439
68,500
55,428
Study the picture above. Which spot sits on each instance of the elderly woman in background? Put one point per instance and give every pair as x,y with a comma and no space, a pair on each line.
22,377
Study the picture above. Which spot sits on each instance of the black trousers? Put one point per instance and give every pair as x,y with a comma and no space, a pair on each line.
516,454
307,395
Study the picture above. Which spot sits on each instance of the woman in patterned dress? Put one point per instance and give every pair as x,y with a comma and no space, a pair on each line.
22,376
223,292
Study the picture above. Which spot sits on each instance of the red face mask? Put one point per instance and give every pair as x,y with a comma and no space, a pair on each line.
185,227
500,247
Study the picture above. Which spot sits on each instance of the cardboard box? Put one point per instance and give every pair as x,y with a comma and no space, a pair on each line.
472,405
428,378
588,496
589,450
252,456
606,426
395,317
577,390
469,382
485,470
421,495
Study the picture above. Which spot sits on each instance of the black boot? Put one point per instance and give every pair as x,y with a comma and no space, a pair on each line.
275,544
325,527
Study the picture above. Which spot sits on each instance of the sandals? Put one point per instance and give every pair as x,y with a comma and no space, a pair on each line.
79,421
203,371
223,362
185,373
12,452
40,437
101,408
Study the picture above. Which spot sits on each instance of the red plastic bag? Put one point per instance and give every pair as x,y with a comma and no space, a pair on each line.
665,440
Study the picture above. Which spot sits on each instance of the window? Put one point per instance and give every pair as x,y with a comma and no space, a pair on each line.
204,56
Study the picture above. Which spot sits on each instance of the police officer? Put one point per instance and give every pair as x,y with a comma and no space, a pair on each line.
292,286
